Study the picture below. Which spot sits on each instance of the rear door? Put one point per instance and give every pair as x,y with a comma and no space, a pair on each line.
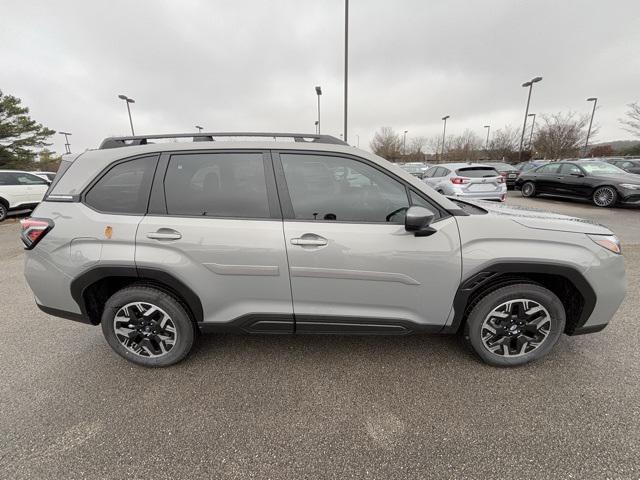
548,179
214,223
353,266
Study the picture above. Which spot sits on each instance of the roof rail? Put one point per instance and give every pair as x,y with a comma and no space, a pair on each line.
127,141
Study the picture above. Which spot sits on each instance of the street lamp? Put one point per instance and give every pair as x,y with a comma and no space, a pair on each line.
533,125
318,93
526,112
316,123
444,131
486,145
199,128
593,112
346,62
404,143
67,145
128,101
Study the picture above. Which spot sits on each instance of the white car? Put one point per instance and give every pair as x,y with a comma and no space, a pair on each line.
20,191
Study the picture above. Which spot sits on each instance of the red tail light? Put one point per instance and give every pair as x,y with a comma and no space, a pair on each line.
501,178
33,230
459,180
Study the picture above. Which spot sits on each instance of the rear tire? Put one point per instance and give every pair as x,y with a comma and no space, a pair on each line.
604,197
515,324
528,189
3,211
147,326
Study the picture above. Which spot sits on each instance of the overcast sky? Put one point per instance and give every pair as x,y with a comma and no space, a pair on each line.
252,65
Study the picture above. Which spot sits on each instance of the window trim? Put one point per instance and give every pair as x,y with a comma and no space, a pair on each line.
82,198
287,206
158,201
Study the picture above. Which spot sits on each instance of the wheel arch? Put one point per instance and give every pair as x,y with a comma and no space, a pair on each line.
574,291
91,289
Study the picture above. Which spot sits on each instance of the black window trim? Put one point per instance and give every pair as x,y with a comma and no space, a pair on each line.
287,206
158,201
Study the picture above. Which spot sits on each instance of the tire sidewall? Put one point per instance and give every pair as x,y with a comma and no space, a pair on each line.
179,316
524,188
613,201
535,292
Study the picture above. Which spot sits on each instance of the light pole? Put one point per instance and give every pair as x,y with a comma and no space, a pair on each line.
316,123
533,125
593,112
444,131
404,143
67,145
526,111
346,63
199,128
486,145
128,101
318,93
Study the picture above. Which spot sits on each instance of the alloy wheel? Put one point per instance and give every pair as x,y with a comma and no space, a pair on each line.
527,189
604,196
515,328
145,329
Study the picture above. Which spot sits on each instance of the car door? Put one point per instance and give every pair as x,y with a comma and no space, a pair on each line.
574,180
33,187
548,179
214,223
353,266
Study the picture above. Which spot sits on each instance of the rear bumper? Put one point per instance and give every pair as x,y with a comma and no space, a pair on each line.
495,196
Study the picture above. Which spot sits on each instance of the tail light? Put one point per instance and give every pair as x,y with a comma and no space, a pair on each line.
501,178
32,230
459,180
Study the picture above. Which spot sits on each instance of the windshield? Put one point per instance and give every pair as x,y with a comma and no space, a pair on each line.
478,172
601,168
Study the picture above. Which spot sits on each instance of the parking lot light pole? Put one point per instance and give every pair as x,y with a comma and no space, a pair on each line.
346,64
486,145
444,132
404,143
67,145
199,128
526,111
316,123
128,101
318,93
593,112
533,125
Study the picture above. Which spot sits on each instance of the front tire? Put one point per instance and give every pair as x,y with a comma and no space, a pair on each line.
515,325
528,189
147,326
605,197
3,211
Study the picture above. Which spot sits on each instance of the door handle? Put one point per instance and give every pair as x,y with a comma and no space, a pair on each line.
309,241
164,234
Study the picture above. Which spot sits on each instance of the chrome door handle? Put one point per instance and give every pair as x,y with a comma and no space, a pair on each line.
309,242
164,234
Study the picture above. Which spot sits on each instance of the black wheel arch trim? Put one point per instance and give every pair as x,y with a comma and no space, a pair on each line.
488,274
163,279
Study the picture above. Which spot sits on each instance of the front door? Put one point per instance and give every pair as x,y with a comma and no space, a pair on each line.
353,266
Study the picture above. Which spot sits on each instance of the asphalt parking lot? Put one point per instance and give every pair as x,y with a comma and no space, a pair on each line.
318,407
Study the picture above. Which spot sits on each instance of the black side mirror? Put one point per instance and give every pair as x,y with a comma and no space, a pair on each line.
417,220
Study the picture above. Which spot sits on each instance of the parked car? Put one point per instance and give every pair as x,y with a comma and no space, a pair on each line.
530,165
631,165
509,172
467,180
20,191
49,176
417,169
156,241
604,184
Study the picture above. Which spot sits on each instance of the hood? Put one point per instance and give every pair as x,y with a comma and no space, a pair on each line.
539,219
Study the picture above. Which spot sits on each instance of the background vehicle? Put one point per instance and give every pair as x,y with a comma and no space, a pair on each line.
602,183
20,191
311,236
49,176
509,172
631,165
467,180
417,169
530,165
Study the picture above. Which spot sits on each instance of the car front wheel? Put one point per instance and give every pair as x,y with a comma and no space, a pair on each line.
147,326
516,324
605,196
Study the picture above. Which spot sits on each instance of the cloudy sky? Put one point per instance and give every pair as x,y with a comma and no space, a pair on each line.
252,65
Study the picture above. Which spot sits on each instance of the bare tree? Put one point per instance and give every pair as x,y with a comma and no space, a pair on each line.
561,135
463,148
632,122
415,150
504,143
387,144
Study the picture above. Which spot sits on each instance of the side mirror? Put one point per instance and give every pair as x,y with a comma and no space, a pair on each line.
417,220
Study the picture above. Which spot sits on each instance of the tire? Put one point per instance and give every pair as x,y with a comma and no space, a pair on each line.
605,196
528,189
3,210
153,314
538,331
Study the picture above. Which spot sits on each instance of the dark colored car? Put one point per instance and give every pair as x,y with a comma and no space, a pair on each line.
631,165
604,184
508,172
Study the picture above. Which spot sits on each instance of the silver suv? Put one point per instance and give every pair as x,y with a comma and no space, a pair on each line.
160,241
467,180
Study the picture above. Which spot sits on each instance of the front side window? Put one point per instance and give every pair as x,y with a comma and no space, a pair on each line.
217,185
29,179
124,188
342,189
570,169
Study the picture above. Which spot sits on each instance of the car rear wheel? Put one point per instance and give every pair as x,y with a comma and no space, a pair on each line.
3,211
147,326
605,196
515,325
528,189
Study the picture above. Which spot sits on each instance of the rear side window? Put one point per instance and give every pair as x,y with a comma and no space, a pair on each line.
217,185
124,188
477,172
549,168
